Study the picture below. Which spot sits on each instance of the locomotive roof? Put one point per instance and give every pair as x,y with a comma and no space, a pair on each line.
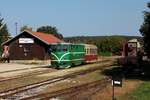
65,43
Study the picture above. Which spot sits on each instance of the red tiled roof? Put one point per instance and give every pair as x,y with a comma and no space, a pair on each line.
48,38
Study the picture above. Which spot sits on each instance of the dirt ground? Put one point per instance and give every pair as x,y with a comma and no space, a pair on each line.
106,94
13,69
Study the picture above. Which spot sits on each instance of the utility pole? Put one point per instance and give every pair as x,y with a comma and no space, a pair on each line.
16,27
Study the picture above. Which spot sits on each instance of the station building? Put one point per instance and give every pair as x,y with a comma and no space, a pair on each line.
30,45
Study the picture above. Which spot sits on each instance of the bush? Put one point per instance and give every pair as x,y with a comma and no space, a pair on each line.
105,53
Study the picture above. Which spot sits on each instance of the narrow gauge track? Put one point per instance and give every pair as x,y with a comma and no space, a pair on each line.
29,74
71,90
11,92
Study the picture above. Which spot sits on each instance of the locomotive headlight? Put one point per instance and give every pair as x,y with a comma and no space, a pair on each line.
52,57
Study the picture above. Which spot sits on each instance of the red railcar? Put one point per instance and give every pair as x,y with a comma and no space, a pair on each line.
91,53
129,54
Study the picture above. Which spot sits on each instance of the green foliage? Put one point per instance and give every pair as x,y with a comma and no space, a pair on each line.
145,30
4,35
105,53
25,27
107,45
50,30
112,44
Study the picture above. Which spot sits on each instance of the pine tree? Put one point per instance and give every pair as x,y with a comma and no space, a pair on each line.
145,30
4,35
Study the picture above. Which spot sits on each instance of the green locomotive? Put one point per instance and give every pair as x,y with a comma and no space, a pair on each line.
65,55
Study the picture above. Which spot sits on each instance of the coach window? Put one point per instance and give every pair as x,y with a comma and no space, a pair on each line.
91,51
86,51
95,51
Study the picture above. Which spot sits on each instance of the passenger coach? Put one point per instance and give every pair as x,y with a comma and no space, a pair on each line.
90,53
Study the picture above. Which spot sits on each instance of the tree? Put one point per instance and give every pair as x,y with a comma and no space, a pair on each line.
4,35
145,30
25,27
50,30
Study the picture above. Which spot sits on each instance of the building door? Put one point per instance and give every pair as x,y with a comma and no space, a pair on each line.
26,51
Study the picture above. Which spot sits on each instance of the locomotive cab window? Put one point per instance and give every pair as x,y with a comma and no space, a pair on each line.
62,48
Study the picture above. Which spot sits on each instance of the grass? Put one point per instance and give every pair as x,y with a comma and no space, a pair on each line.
141,93
141,86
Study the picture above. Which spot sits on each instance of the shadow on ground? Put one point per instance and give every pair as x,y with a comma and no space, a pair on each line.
142,72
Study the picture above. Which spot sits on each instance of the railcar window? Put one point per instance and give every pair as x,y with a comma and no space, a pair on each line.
95,51
87,51
91,51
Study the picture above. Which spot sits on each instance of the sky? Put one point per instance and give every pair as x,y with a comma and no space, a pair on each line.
76,17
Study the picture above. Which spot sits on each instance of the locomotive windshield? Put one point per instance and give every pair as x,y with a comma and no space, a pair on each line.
60,48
